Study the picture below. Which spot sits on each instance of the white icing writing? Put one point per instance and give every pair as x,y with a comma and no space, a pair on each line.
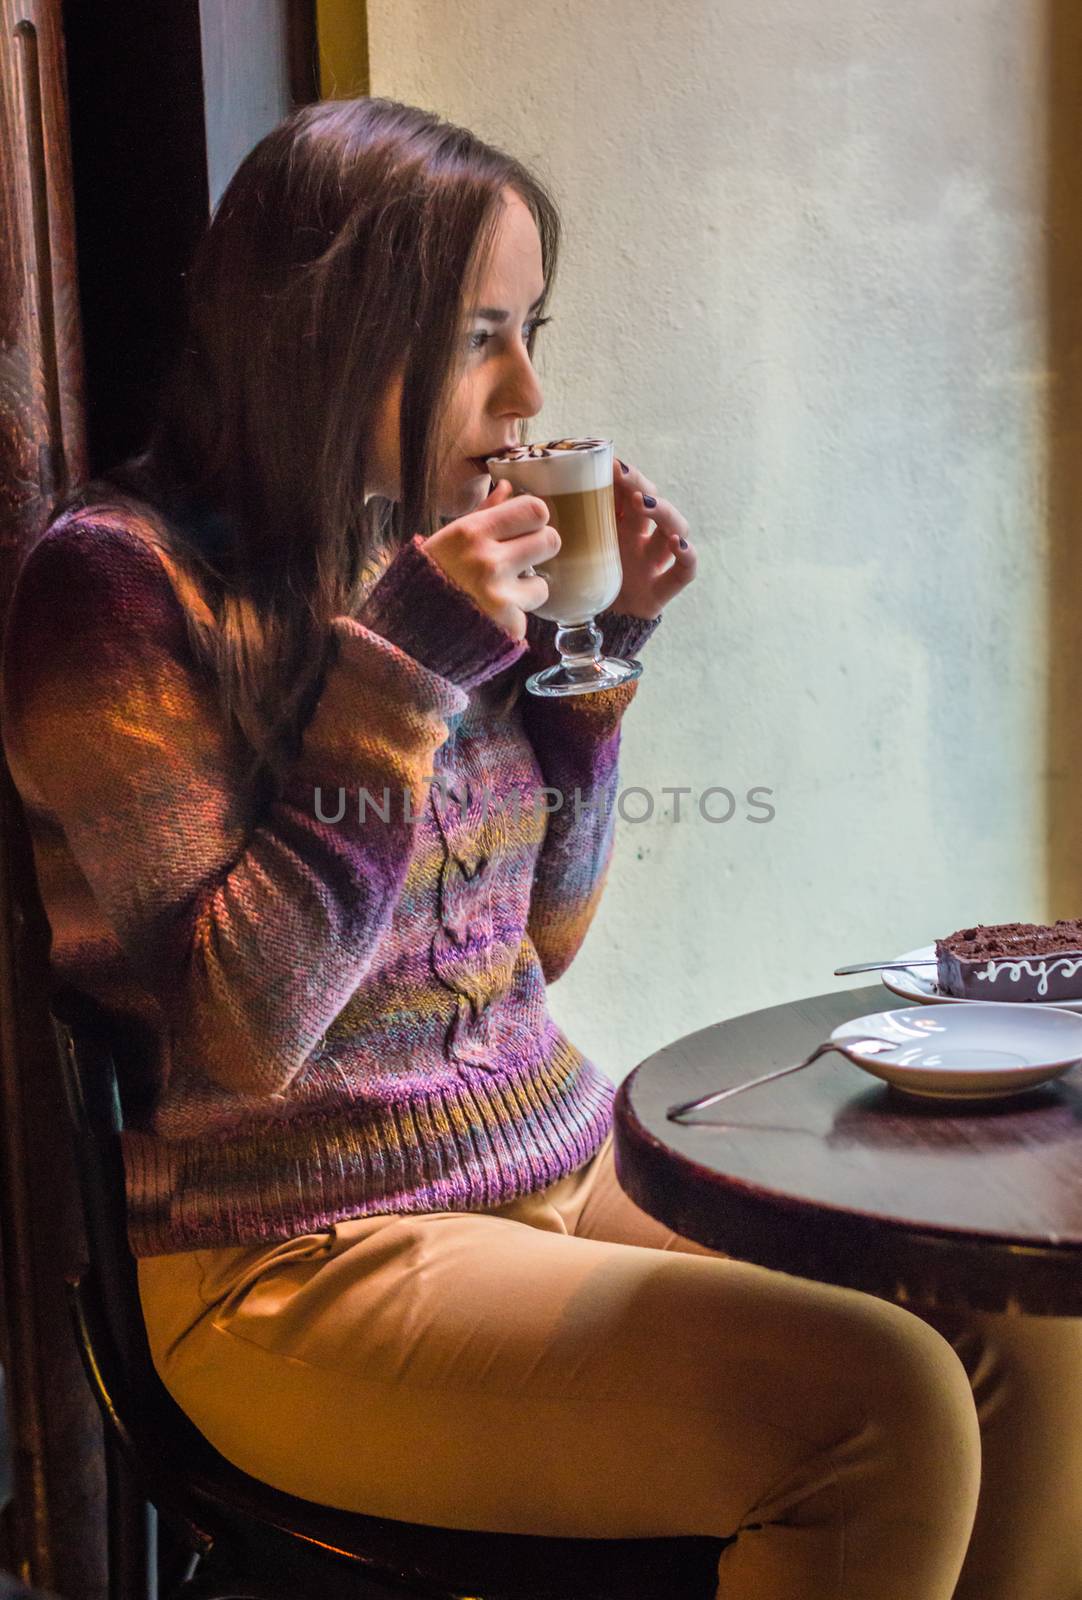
1032,968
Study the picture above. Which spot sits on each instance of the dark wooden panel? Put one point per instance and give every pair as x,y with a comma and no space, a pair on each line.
1061,472
139,143
41,401
302,48
54,1527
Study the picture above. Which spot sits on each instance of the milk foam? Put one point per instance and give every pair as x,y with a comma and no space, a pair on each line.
569,471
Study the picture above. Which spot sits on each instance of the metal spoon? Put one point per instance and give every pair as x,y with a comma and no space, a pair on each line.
847,1048
881,966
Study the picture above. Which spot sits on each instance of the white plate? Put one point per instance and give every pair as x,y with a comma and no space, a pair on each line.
914,978
982,1050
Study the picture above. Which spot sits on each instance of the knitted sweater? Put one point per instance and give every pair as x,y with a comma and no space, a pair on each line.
332,1004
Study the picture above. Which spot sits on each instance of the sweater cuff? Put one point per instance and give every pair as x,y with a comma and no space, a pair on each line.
422,611
621,635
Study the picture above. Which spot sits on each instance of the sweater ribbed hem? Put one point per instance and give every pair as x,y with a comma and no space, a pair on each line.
624,635
481,1143
420,609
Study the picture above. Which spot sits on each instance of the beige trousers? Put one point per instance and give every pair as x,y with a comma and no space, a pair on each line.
566,1365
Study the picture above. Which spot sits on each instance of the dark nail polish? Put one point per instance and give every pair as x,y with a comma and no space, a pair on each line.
683,544
623,464
648,500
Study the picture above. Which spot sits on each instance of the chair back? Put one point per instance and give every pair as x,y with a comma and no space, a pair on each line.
93,1098
160,1443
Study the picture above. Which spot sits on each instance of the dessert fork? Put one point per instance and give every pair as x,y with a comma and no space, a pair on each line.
871,1046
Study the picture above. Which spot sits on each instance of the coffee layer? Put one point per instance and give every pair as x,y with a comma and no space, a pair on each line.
585,575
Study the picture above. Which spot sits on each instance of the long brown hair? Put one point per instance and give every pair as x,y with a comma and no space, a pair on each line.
341,254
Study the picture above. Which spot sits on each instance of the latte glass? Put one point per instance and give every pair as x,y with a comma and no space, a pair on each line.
574,479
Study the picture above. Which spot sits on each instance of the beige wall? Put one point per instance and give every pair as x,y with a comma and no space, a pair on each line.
805,289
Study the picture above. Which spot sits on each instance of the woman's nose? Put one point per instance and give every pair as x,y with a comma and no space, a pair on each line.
520,390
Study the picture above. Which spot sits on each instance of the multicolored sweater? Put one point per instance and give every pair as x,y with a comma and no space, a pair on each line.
333,1004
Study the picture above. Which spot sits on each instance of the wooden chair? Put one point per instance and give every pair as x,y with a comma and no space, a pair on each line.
242,1539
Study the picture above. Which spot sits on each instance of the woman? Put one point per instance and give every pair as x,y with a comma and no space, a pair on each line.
383,1257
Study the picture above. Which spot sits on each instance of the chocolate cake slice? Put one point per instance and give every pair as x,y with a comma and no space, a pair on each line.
1012,961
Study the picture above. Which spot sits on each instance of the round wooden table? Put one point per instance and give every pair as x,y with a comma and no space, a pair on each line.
831,1175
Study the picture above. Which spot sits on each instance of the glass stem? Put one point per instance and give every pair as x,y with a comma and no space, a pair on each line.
579,643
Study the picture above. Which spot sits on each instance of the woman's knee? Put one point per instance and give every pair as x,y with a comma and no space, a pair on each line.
904,1375
825,1365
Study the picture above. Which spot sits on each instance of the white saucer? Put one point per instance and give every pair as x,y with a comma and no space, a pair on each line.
914,978
981,1050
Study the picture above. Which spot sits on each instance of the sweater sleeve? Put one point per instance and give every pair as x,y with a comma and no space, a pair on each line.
251,931
576,739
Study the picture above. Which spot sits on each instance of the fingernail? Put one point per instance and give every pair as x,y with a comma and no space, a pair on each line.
623,464
683,544
648,500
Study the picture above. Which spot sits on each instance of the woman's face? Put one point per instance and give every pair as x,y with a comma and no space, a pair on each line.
497,385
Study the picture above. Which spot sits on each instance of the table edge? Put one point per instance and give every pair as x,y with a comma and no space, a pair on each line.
900,1261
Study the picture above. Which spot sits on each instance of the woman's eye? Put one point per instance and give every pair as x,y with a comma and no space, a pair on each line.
478,340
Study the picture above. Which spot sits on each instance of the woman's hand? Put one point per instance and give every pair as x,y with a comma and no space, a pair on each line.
486,551
656,555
